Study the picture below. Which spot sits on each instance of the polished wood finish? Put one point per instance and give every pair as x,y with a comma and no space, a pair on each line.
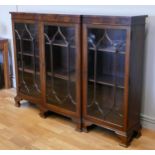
54,18
5,52
23,129
134,28
66,71
114,20
49,23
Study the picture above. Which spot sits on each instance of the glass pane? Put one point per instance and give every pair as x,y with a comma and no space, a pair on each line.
103,106
27,85
58,96
106,60
60,53
28,63
28,58
1,70
26,38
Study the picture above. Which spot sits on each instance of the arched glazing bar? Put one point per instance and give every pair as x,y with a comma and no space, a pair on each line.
66,44
95,47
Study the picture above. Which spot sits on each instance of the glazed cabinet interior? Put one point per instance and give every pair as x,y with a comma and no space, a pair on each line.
87,68
27,58
62,68
60,59
106,51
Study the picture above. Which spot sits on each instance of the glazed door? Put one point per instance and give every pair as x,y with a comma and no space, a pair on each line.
105,52
62,67
28,59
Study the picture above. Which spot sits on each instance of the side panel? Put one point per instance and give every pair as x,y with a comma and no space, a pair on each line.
136,74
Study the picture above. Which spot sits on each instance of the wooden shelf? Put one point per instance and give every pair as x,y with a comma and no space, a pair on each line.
28,54
108,81
28,70
61,74
60,44
111,50
25,39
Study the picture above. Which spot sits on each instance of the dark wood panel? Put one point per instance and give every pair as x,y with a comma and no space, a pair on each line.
114,20
24,16
136,74
64,18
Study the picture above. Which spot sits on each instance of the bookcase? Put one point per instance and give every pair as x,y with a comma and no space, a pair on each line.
88,68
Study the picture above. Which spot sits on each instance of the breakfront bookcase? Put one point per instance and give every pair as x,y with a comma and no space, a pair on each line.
88,68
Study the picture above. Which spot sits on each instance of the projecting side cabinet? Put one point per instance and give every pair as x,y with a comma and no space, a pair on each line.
113,52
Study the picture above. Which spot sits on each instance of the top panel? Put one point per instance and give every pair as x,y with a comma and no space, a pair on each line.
64,18
114,20
87,19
